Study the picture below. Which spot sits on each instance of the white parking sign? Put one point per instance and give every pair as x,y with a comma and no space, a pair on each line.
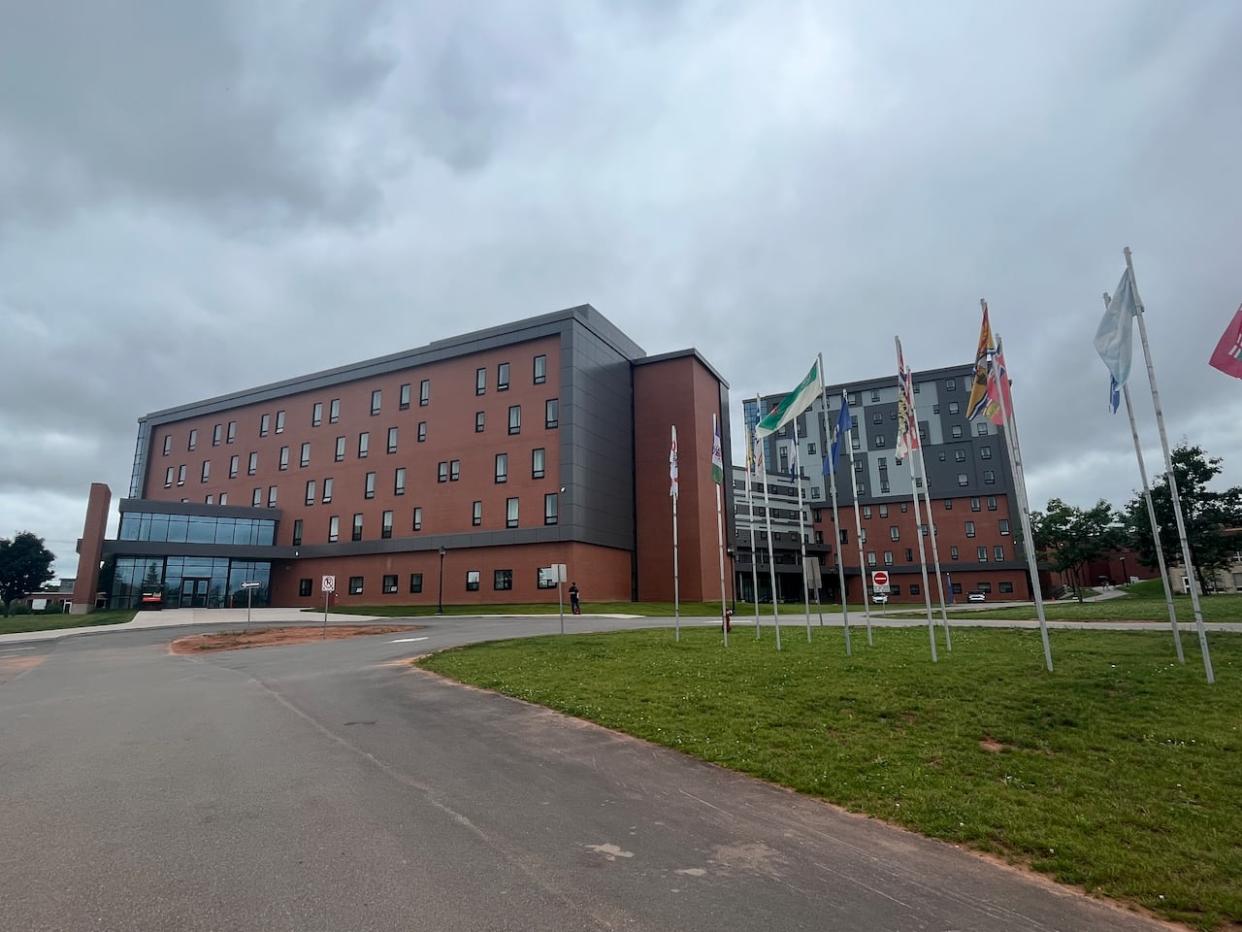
329,584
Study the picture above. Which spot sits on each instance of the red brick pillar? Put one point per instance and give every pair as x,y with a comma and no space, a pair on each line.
90,548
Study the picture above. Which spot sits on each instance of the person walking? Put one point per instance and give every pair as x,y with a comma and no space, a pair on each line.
574,604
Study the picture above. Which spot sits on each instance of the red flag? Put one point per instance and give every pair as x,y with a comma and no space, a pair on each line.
998,390
1228,355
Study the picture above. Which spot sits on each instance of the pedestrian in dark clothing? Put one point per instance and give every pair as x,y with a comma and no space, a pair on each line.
574,604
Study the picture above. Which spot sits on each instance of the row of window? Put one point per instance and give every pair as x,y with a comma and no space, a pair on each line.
975,505
502,581
539,375
894,532
1006,587
981,555
551,515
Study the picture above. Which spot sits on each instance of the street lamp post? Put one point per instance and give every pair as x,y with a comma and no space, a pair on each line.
440,591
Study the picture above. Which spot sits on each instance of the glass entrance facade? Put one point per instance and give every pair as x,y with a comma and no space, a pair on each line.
189,582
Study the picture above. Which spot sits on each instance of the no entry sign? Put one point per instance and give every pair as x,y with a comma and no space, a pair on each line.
879,580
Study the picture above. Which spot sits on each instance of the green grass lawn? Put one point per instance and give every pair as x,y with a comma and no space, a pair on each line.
16,624
1120,773
790,612
1127,608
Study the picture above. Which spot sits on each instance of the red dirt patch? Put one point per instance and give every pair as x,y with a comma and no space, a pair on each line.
992,746
268,637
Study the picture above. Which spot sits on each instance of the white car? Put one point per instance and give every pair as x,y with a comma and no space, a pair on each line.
976,597
880,598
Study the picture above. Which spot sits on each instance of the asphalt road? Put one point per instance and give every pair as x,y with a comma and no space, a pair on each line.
331,787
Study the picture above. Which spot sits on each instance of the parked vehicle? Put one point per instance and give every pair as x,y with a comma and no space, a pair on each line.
880,598
976,597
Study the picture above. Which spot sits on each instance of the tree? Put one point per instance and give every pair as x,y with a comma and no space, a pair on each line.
1069,537
25,565
1208,513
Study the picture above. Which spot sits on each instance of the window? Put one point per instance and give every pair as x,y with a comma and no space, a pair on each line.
390,584
950,385
1006,587
866,511
985,453
416,583
984,587
1004,526
442,471
989,477
316,414
168,477
888,558
959,456
550,508
948,504
954,407
551,413
541,369
877,417
377,400
297,531
398,481
386,530
418,519
167,444
357,532
403,397
340,450
858,465
502,377
480,421
982,554
953,552
991,503
454,470
364,444
252,465
904,506
217,434
941,456
265,425
962,480
914,589
476,513
256,498
327,490
511,512
368,488
424,393
181,474
334,410
271,496
304,455
304,587
284,459
970,529
998,553
862,536
422,431
355,585
875,394
515,419
205,473
909,554
536,463
502,467
224,498
480,381
883,511
879,440
894,588
392,440
956,588
231,434
192,443
502,580
472,580
894,532
871,558
974,504
334,529
544,582
310,491
280,422
956,431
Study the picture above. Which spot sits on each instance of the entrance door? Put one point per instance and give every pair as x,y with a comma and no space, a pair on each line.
194,593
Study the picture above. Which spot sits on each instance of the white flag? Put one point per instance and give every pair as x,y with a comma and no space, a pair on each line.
1113,337
672,465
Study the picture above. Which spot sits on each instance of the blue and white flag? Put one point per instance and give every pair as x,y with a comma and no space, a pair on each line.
1113,337
842,428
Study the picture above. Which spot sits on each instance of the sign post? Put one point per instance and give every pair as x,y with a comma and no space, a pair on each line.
329,586
250,585
879,582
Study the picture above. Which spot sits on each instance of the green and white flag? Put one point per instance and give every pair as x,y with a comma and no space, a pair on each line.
717,454
794,404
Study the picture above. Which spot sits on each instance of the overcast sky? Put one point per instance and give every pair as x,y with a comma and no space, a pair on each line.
200,197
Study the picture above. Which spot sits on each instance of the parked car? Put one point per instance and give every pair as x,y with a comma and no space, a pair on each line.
976,597
880,598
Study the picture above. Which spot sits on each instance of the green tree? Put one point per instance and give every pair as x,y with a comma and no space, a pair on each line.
25,565
1068,537
1209,514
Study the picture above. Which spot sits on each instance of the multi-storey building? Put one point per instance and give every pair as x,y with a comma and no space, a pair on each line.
451,472
968,478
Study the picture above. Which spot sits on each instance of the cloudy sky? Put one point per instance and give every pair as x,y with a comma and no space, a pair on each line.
195,198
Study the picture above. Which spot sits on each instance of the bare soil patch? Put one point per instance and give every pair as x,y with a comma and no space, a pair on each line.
268,637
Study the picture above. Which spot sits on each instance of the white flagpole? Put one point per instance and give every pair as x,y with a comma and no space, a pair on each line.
931,522
1151,516
918,520
767,511
724,604
676,581
862,570
806,595
1009,427
751,462
836,518
1168,465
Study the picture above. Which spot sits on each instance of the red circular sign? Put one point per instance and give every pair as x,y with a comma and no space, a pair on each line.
880,578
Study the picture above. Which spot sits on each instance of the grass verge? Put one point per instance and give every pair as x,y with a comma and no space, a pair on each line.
18,624
1119,773
789,611
1125,608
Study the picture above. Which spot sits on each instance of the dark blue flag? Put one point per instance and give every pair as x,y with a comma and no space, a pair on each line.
842,427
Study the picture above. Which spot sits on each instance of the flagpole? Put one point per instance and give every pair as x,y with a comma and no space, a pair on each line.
1168,464
724,604
676,581
767,512
931,522
862,573
806,595
1151,517
901,390
750,499
836,518
1009,427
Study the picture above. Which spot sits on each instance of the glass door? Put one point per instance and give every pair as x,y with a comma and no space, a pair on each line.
194,593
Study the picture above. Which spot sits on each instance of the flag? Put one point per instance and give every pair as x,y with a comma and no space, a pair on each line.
844,422
757,458
978,400
793,462
1113,336
717,455
907,428
1228,355
998,389
1114,395
672,465
794,404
